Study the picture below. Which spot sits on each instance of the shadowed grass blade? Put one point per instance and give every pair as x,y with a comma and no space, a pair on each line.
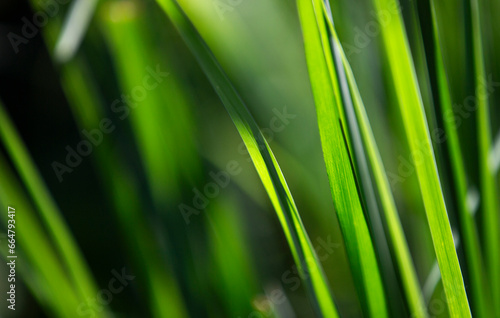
64,241
57,293
469,236
162,290
418,137
489,192
264,161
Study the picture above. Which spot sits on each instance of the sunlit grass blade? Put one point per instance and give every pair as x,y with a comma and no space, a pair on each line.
488,188
68,249
396,236
34,247
264,161
340,168
367,191
418,137
469,236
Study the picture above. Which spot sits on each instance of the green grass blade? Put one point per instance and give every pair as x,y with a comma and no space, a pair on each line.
469,236
397,239
232,260
66,245
163,292
489,192
418,136
340,169
35,248
264,161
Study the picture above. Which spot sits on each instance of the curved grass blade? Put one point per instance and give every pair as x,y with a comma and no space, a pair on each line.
74,262
489,192
468,231
418,136
340,169
264,161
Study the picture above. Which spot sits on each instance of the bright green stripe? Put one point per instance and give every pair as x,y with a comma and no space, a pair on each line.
49,211
397,238
264,161
126,36
232,258
469,235
489,191
410,103
340,170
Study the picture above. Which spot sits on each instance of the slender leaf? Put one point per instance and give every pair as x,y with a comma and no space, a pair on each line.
469,235
74,262
264,161
340,168
418,137
489,191
397,238
33,246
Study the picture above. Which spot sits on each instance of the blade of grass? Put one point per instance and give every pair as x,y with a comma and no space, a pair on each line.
345,192
397,239
264,161
74,262
37,249
367,189
123,190
232,261
418,136
469,234
132,59
489,192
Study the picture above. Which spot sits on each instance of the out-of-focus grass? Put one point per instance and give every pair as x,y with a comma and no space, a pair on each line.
380,89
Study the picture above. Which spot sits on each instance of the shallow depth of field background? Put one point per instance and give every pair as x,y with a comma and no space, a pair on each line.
232,253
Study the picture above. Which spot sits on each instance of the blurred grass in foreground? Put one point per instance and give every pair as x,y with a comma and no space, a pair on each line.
384,103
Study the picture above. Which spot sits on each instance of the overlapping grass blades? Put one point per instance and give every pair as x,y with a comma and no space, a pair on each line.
49,281
396,235
488,188
66,246
418,137
469,237
340,168
264,161
123,191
